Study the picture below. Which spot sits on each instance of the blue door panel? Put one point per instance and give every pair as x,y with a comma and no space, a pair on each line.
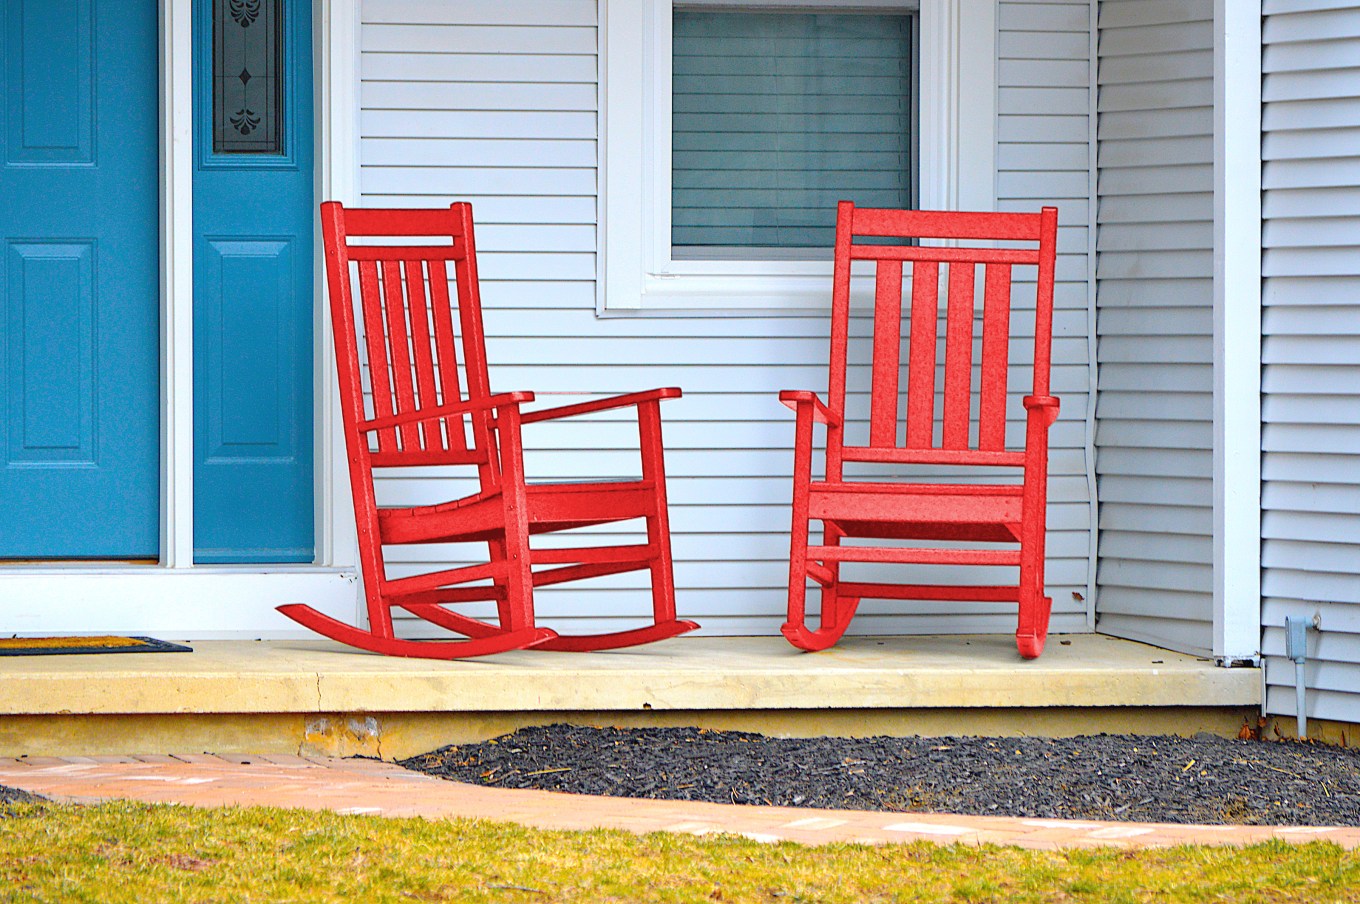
253,304
51,80
79,296
51,376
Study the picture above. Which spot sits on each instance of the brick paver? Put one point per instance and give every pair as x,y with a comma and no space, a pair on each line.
383,789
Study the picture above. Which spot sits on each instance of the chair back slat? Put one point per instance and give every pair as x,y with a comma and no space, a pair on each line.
996,318
958,358
925,311
422,354
887,354
975,368
404,316
446,346
380,377
399,349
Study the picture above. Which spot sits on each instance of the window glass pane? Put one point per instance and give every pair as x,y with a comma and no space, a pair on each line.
779,115
247,76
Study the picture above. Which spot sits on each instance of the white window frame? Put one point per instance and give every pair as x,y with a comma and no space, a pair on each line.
636,272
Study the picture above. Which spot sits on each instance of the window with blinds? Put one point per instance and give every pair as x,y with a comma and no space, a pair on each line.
776,116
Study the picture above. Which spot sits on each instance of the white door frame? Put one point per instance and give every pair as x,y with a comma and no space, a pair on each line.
176,597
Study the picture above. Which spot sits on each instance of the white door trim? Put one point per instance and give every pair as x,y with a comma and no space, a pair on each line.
175,597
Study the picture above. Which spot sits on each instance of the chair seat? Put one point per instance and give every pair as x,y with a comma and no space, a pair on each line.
552,507
984,513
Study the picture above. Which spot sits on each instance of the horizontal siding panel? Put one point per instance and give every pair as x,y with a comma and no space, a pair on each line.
1315,584
1338,706
1183,406
1142,237
502,12
1056,73
1163,490
1020,128
502,124
1321,379
1194,34
1158,265
1149,321
1155,151
433,38
1320,53
1284,408
1073,18
1156,96
1182,208
1157,67
1155,463
1192,636
1311,85
1132,13
1154,292
477,154
1042,45
1152,547
1188,121
1311,466
1310,26
1167,177
1167,519
464,96
1306,145
485,66
1329,113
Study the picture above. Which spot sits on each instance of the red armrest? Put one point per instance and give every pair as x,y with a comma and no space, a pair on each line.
619,401
793,398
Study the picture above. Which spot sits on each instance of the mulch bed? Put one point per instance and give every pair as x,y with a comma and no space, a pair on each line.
1203,779
10,795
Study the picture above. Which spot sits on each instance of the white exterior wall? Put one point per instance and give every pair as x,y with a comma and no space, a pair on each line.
1311,404
1154,323
496,103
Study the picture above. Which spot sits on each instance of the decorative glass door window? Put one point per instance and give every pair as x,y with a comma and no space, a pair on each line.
247,83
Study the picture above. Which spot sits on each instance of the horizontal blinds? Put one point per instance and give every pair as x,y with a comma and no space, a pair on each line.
777,116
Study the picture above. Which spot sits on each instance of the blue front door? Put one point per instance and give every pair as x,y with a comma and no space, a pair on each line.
79,293
253,281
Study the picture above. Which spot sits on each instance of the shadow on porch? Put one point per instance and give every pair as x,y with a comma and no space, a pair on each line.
318,698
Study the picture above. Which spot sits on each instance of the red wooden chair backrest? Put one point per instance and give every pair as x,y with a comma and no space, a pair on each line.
969,433
406,321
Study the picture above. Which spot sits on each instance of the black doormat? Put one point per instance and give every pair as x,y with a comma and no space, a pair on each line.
53,646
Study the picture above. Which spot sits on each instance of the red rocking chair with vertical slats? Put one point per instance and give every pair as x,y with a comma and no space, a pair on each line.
422,417
971,430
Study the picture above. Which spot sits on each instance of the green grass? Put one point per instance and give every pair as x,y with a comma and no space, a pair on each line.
129,852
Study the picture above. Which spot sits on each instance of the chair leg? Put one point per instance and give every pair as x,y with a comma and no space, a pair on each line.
1032,626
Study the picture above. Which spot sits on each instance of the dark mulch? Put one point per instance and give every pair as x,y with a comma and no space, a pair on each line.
1204,779
10,795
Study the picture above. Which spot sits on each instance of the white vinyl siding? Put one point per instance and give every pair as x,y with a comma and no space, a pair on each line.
496,103
1154,321
1311,332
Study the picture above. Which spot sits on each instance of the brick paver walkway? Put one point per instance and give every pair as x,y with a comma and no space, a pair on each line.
383,789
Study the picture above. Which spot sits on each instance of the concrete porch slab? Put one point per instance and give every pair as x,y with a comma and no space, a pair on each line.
319,697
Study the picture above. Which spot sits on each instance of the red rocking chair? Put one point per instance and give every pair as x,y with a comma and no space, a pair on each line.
422,417
971,430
